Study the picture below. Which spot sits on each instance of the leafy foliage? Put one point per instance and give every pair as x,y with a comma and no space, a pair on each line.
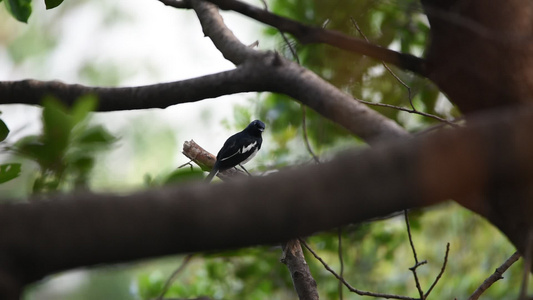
66,148
398,26
52,3
9,171
4,131
19,9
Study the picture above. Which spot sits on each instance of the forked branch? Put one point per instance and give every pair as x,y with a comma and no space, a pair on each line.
308,35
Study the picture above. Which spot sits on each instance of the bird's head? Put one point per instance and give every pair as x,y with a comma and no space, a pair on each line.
257,125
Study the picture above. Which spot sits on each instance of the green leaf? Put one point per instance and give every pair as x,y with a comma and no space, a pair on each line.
57,125
96,135
82,107
52,3
19,9
4,131
31,146
181,175
9,171
83,164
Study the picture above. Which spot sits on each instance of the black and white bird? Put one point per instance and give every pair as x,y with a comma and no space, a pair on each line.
238,148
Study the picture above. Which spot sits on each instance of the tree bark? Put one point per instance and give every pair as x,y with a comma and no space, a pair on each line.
304,284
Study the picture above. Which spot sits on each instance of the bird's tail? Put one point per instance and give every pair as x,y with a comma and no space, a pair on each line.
212,174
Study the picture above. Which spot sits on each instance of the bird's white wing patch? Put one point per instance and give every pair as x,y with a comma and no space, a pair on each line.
250,157
239,151
248,148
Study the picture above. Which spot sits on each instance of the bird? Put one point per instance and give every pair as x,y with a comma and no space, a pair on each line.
238,149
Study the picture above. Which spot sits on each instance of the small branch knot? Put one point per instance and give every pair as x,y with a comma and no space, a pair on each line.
418,264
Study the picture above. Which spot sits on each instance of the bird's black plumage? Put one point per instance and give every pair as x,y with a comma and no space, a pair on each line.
238,148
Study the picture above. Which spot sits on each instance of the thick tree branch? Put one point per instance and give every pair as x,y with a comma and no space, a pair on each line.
308,35
225,41
160,95
258,71
270,73
70,231
283,76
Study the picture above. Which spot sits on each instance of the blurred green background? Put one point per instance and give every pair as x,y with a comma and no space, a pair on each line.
142,42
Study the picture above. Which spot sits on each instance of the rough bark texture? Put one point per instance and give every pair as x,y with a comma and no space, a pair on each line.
205,160
304,283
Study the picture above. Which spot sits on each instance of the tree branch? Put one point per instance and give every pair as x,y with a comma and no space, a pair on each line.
70,231
415,256
174,275
160,95
497,275
426,295
225,41
308,35
349,286
283,76
205,160
267,71
304,283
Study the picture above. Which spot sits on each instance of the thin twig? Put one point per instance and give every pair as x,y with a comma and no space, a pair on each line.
174,275
341,261
291,47
304,114
306,138
351,288
386,66
417,264
497,275
406,217
411,112
413,109
187,163
441,271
